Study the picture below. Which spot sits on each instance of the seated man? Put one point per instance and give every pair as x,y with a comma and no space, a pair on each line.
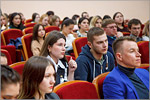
10,83
134,27
126,81
110,27
94,58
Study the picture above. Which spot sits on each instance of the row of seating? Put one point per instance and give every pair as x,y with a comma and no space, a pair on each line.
143,48
77,45
77,89
8,34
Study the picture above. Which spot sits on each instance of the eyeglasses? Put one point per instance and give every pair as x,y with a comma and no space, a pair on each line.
134,28
111,27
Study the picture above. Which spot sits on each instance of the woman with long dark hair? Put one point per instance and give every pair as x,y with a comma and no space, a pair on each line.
38,79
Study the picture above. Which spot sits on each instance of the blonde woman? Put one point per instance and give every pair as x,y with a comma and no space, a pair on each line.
4,22
44,20
145,32
96,21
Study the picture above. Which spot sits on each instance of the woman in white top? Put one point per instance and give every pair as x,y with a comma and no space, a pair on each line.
67,29
54,49
83,25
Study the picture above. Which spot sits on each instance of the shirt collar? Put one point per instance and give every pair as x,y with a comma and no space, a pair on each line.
60,64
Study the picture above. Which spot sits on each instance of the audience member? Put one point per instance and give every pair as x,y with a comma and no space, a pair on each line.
22,17
126,81
38,39
35,18
3,59
16,21
145,32
110,28
85,14
38,79
119,19
10,83
44,20
67,29
50,14
106,17
96,21
55,21
75,18
83,25
134,27
54,49
94,58
4,22
65,19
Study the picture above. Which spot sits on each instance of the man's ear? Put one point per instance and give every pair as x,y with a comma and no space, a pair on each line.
89,44
119,56
129,29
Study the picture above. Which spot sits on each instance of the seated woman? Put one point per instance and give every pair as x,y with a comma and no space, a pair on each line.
67,30
16,21
83,25
38,39
4,22
10,83
119,19
54,49
44,20
145,32
38,79
96,21
55,21
35,18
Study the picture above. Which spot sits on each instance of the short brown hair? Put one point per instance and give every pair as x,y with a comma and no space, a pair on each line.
119,41
105,22
95,31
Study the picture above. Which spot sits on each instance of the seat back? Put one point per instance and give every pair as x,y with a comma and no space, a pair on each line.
27,30
11,34
51,28
29,24
144,66
18,66
69,57
26,43
126,33
77,90
144,50
28,21
12,51
77,44
98,82
2,41
7,55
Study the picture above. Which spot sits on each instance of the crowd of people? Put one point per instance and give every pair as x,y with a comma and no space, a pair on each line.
107,50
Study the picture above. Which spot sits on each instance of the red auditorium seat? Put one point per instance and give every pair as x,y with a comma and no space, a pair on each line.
76,90
77,44
98,82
